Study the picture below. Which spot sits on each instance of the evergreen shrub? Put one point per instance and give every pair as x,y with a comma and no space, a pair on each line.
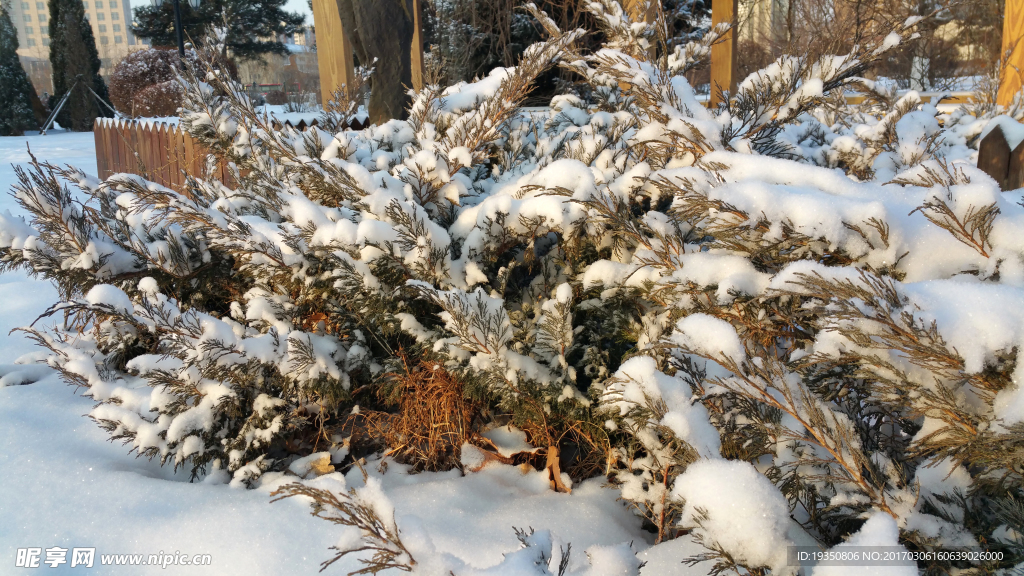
785,320
16,91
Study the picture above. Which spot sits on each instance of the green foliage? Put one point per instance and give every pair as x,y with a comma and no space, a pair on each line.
242,29
15,88
76,67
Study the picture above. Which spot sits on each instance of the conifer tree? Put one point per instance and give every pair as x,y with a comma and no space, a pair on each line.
76,66
15,88
251,27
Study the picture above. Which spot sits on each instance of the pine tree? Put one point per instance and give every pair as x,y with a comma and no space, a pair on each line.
15,88
76,66
252,26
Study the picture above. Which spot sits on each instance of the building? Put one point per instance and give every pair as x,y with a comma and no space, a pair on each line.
761,20
297,71
111,26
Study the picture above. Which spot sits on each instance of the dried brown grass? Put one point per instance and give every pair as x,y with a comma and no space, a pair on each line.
431,421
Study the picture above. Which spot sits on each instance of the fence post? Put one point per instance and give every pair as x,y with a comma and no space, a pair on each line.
994,155
1015,173
97,133
108,149
723,54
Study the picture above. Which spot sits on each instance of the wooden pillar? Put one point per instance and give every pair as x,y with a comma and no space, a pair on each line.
1013,40
333,50
645,10
723,54
417,46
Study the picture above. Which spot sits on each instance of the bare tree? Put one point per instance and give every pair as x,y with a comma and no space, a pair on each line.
957,41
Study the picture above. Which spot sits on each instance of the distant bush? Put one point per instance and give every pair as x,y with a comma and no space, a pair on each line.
139,71
301,102
276,97
161,99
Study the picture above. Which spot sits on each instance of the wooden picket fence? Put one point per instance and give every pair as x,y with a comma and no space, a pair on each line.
160,152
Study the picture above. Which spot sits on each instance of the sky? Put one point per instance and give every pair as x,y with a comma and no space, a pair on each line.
299,6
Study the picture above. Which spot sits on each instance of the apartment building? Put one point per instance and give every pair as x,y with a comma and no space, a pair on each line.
111,26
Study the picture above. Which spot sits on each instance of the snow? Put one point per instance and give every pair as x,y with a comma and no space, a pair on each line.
110,296
105,498
639,382
975,318
1013,131
708,335
508,440
733,505
879,530
25,299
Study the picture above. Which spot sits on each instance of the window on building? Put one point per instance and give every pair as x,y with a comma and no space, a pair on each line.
117,39
28,30
40,6
104,40
31,42
42,17
46,41
117,27
101,16
114,4
115,16
27,17
24,5
103,27
86,5
44,30
88,18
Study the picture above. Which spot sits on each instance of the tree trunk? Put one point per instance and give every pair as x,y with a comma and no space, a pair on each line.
382,30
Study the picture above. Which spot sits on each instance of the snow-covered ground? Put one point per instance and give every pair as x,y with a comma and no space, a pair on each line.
64,485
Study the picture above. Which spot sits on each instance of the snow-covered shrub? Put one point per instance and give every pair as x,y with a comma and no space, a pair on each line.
818,303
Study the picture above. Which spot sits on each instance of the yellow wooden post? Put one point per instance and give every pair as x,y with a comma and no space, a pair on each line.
417,47
333,50
1013,40
640,10
723,54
